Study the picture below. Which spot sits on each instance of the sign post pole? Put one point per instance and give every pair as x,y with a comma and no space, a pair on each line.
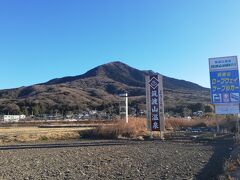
161,109
237,129
148,105
217,123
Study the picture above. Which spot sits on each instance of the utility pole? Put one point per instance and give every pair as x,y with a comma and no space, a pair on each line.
123,106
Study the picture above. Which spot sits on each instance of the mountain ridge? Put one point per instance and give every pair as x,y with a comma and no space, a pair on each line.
102,69
98,89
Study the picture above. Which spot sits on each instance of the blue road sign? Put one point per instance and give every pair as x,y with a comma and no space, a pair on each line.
224,82
225,86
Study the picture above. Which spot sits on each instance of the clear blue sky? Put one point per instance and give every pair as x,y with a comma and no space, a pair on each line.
45,39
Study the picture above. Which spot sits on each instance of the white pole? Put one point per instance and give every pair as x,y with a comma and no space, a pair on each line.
126,107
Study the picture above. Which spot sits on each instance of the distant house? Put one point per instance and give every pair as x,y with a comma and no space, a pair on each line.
79,116
198,113
92,112
69,116
12,118
86,116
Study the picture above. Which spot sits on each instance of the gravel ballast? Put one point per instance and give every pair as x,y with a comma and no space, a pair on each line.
114,159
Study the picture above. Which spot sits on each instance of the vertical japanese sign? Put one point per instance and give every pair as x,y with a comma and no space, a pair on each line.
224,77
155,103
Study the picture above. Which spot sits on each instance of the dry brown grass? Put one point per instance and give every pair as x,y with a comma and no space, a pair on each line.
135,128
177,123
29,134
138,127
232,165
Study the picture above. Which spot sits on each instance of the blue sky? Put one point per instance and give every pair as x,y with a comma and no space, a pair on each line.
45,39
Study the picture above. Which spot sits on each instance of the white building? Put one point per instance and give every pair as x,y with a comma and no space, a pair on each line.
13,118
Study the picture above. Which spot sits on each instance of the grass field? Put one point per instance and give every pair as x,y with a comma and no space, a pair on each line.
29,134
15,133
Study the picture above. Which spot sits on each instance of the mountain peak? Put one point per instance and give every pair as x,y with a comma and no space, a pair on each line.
115,70
125,74
118,71
115,63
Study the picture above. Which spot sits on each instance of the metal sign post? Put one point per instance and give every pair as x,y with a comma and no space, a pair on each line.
224,78
217,123
155,104
238,129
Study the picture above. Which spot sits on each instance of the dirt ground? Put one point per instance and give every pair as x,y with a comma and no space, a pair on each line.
115,159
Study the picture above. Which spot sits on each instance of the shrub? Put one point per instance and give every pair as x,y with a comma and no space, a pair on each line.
178,123
136,127
44,138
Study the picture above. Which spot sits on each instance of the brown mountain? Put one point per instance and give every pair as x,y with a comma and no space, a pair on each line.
97,89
